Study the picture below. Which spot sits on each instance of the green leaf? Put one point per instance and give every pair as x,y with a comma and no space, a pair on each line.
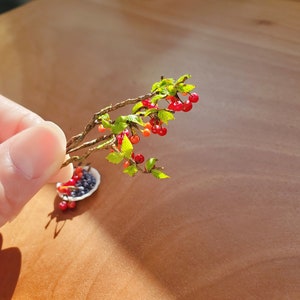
106,124
137,106
185,88
183,78
115,157
135,119
158,97
172,90
155,86
161,85
159,174
104,117
126,147
131,170
150,163
119,125
165,116
167,81
150,111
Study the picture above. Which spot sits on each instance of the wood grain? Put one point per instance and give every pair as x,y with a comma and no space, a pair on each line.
226,225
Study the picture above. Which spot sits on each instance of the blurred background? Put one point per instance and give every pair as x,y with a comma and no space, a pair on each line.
6,5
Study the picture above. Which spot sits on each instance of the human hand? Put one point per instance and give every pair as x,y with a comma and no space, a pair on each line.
31,153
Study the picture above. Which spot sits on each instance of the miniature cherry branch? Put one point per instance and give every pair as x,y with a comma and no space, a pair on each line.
148,116
75,140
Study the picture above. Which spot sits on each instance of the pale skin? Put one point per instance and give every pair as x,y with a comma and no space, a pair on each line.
32,151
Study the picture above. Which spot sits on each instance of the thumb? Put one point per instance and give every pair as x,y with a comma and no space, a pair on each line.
28,160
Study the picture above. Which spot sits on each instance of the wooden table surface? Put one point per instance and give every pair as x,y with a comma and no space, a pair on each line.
226,225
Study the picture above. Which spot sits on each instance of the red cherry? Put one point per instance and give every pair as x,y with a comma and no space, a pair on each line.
101,128
171,106
71,182
148,125
63,205
194,97
146,132
187,106
71,204
171,98
134,139
155,129
126,164
119,139
178,105
63,190
78,170
146,102
126,131
162,131
77,176
153,121
139,158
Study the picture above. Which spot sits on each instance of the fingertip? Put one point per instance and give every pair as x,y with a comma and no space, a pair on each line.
58,132
64,174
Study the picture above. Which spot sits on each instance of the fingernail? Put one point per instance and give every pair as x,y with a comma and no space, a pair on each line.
38,151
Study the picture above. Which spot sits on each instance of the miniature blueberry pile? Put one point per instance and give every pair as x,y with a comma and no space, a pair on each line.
85,184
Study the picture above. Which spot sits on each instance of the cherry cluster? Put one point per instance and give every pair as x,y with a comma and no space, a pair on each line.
178,105
154,126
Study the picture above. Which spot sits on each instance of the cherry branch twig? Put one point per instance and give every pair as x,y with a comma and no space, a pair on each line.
73,142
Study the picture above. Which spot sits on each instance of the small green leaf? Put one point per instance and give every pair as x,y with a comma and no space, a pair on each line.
137,106
185,88
158,97
126,147
135,119
115,157
119,125
167,81
150,111
155,86
165,116
183,78
105,123
172,90
159,174
131,170
104,117
150,163
161,85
